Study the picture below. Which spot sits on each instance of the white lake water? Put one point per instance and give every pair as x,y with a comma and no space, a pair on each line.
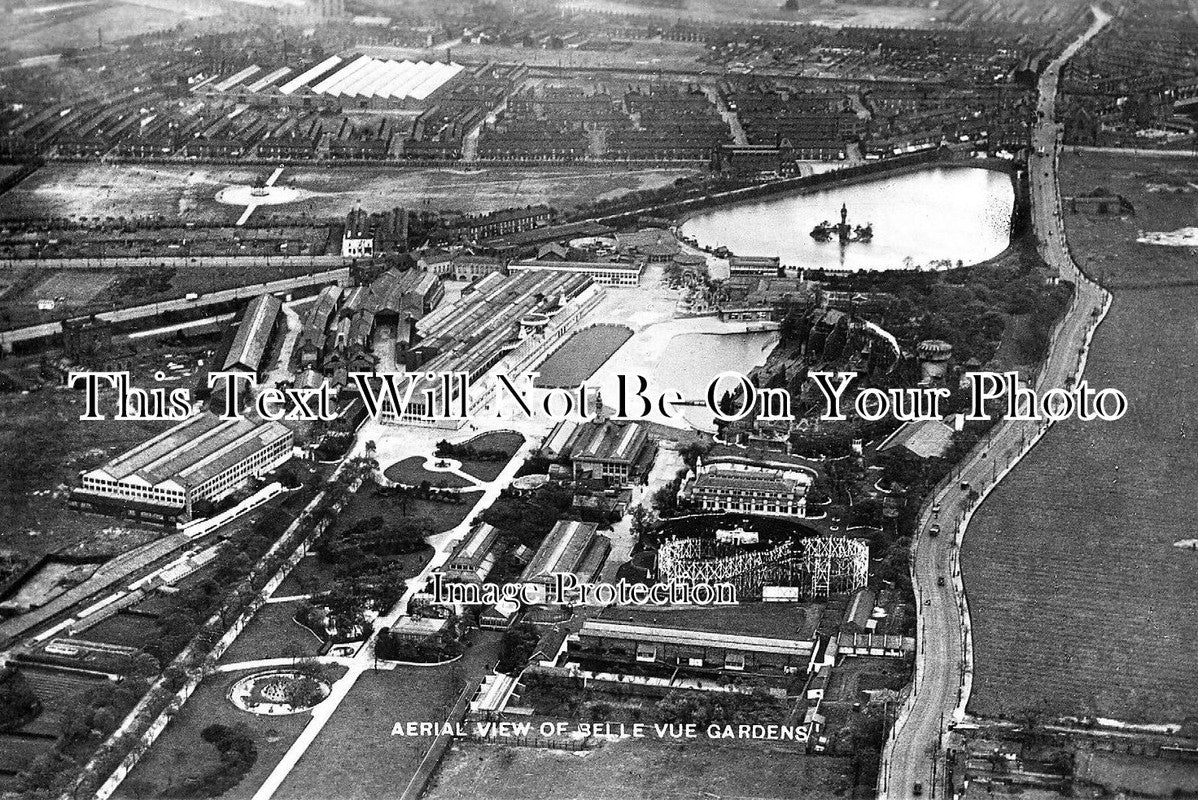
941,213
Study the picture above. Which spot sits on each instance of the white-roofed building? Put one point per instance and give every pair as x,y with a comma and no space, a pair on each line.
375,82
202,458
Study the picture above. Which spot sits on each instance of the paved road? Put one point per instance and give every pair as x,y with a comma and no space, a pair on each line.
944,662
364,658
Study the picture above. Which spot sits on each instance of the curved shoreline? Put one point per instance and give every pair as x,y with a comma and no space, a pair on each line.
739,204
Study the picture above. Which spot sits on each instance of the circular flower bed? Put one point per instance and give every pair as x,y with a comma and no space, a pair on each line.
278,692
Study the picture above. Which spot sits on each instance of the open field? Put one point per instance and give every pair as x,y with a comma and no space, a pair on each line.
123,628
582,354
272,633
639,770
188,192
355,755
411,472
43,446
180,752
35,32
1081,603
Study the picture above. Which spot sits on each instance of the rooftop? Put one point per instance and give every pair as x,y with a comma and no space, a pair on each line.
771,620
562,550
253,334
694,638
477,544
925,438
371,77
193,451
609,441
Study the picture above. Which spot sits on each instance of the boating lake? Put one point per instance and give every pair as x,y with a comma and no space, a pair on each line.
937,214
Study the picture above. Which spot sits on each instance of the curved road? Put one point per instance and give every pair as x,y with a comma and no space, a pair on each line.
943,670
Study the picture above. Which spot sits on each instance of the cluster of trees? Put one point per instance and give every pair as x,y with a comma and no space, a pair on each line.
334,445
237,756
529,519
225,589
722,708
303,692
467,452
970,307
89,717
516,648
373,536
18,703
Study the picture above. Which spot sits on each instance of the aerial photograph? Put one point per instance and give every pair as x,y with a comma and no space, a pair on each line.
593,399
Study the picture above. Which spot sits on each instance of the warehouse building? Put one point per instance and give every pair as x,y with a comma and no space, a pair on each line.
571,547
202,458
646,646
254,334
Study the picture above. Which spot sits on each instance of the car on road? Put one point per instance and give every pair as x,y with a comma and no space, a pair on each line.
965,486
939,580
936,507
934,531
918,790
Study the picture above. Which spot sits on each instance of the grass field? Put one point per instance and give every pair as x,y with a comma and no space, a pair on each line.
37,32
355,755
1080,602
180,752
639,770
507,441
189,192
582,354
411,472
272,633
43,446
123,628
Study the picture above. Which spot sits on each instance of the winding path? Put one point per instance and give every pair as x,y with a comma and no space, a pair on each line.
944,661
363,660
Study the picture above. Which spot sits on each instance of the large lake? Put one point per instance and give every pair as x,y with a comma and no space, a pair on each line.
937,214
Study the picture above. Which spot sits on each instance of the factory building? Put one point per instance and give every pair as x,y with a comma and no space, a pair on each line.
201,458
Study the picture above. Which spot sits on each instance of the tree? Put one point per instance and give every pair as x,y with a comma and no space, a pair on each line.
144,665
517,647
18,703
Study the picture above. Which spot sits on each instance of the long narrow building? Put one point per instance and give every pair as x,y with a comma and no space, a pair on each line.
202,458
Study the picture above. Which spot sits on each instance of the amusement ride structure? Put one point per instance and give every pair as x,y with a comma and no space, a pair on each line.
819,566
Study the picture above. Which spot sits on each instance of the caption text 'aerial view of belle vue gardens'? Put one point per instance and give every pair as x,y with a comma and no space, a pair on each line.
587,399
